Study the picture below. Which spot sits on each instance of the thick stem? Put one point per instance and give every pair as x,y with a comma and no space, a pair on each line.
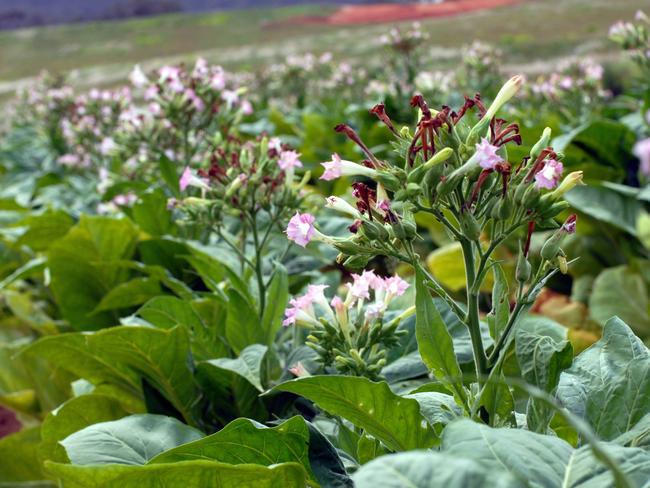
258,267
473,322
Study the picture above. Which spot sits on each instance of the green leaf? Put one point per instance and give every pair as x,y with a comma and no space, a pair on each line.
434,341
188,474
167,312
606,205
438,408
541,357
79,280
394,420
369,448
151,214
19,460
248,365
429,470
622,292
123,356
277,297
130,440
537,458
242,324
609,383
128,294
325,462
169,174
245,441
44,229
72,416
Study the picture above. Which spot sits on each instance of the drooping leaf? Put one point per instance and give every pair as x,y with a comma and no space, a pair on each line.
130,440
608,384
434,341
248,365
123,356
188,474
394,420
606,205
245,441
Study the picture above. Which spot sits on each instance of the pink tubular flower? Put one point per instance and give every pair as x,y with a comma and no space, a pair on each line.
275,143
289,159
301,228
487,154
642,151
361,284
246,107
333,168
186,178
395,286
299,370
549,176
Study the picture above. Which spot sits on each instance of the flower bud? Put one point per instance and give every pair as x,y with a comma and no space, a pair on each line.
404,229
570,181
506,92
553,210
374,230
551,247
540,144
390,181
357,262
531,197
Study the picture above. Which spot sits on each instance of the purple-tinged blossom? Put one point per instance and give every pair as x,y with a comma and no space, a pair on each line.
487,154
301,228
642,151
549,176
289,159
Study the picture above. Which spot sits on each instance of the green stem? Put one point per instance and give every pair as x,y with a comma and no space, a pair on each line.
473,322
258,265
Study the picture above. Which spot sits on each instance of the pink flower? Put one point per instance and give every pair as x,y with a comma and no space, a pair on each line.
487,154
570,225
642,151
361,284
186,178
246,107
289,159
333,168
299,370
301,228
275,143
230,97
549,176
395,286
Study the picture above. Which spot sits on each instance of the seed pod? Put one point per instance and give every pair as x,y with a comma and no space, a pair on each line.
390,181
524,269
551,247
470,226
357,262
520,191
374,230
531,197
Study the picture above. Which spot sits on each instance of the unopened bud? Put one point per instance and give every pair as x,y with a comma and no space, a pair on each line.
540,144
570,181
470,226
524,269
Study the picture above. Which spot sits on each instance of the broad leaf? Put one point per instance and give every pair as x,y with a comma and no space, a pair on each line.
131,440
277,297
394,420
245,441
609,383
541,357
129,294
243,326
188,474
430,470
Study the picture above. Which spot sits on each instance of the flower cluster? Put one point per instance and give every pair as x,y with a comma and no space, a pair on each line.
634,38
349,332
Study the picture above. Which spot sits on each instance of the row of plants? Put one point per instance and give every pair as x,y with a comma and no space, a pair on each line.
458,296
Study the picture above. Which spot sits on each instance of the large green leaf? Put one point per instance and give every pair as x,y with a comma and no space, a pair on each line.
188,474
609,383
130,440
44,229
79,278
248,365
129,294
434,341
541,357
245,441
621,291
394,420
606,205
123,356
430,470
151,214
19,460
167,312
72,416
537,458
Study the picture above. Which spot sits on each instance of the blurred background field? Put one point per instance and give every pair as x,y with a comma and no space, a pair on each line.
534,35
